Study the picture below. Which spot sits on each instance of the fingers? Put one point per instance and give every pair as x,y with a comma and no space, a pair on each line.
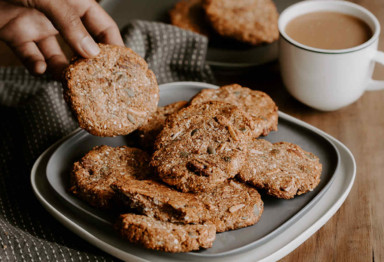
28,25
102,26
22,31
37,57
30,55
53,55
67,21
31,31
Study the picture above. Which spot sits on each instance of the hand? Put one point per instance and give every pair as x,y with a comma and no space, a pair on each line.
29,27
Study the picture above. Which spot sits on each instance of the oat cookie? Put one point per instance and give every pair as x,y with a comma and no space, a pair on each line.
190,15
257,104
111,94
231,205
92,176
160,201
146,134
202,145
164,236
249,21
283,169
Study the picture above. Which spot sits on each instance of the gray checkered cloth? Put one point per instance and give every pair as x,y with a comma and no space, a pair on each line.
34,116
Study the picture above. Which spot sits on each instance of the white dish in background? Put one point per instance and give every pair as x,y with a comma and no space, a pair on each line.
226,55
312,209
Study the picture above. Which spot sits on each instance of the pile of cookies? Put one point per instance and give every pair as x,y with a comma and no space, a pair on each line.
198,164
249,21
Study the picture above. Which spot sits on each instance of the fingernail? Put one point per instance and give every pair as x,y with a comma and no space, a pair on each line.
39,67
89,46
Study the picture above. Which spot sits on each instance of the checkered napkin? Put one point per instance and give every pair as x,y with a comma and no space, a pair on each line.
34,116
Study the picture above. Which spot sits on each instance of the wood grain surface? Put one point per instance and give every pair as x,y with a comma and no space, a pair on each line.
356,231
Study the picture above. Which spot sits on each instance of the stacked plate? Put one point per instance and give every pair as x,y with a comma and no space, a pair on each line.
284,225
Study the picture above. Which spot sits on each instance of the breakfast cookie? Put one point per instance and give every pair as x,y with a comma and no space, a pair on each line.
283,169
146,134
92,176
232,205
249,21
164,236
202,145
160,201
111,94
190,15
257,104
229,206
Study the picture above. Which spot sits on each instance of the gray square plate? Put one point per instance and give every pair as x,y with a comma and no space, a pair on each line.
50,177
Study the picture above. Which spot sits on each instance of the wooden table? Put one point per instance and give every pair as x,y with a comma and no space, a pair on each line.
356,231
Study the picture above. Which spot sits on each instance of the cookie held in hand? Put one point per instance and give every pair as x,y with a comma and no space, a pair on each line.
111,94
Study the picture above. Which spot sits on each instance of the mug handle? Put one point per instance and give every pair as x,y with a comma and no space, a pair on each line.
377,84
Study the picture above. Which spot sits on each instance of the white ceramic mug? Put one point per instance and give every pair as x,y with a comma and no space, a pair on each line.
328,79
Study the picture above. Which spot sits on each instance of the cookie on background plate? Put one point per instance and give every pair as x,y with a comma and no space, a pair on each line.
190,15
93,174
165,236
282,169
257,104
202,145
250,21
111,94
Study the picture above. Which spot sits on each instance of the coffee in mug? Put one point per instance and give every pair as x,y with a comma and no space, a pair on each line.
328,30
328,74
